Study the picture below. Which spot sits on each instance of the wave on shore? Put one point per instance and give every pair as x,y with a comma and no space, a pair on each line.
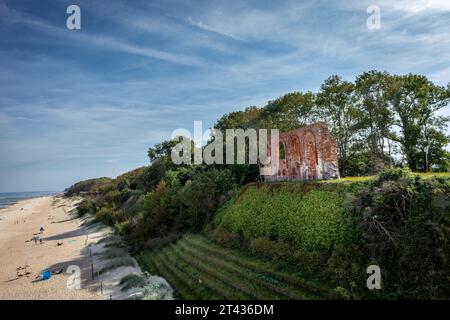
9,198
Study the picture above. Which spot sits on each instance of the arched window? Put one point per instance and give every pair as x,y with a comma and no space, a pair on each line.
282,152
294,148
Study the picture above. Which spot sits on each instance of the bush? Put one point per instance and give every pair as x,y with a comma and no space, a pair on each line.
346,268
312,262
86,206
393,174
225,238
404,222
277,250
105,215
123,228
132,281
86,186
113,253
160,242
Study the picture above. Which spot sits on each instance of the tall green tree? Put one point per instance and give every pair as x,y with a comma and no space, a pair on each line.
336,105
415,101
372,90
289,112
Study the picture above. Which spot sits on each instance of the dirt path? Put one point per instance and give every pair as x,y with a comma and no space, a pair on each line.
18,225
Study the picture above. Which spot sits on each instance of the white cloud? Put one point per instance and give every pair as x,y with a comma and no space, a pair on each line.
100,41
417,6
201,25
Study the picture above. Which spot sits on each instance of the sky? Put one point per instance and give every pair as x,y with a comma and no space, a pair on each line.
77,104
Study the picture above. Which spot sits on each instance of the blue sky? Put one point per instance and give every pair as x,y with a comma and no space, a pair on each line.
86,103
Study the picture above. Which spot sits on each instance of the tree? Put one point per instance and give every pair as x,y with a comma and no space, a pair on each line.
161,150
336,105
288,112
249,118
376,119
415,100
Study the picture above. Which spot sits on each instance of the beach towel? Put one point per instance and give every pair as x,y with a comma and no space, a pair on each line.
46,275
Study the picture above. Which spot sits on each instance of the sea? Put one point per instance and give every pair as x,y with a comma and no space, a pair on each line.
9,198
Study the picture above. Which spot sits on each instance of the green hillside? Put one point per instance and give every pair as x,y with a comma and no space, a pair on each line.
388,216
314,240
313,215
199,269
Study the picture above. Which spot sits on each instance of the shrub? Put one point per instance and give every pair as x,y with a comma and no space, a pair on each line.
86,206
113,253
346,268
123,228
132,281
225,238
106,215
160,242
404,222
393,174
312,262
277,250
86,186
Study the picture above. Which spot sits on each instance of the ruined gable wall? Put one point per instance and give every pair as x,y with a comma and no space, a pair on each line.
309,153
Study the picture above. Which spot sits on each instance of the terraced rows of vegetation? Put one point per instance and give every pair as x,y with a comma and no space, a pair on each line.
199,269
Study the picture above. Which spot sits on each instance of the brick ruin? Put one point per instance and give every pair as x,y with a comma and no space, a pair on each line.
306,153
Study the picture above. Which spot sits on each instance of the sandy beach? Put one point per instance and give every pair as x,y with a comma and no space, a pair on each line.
68,241
18,225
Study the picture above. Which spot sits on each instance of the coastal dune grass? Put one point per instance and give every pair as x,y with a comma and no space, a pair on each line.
125,261
132,281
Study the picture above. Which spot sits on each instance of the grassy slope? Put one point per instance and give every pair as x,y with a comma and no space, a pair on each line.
311,214
199,269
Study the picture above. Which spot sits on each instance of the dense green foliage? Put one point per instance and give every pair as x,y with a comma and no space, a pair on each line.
404,224
132,281
309,214
86,186
330,229
182,200
379,120
397,220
